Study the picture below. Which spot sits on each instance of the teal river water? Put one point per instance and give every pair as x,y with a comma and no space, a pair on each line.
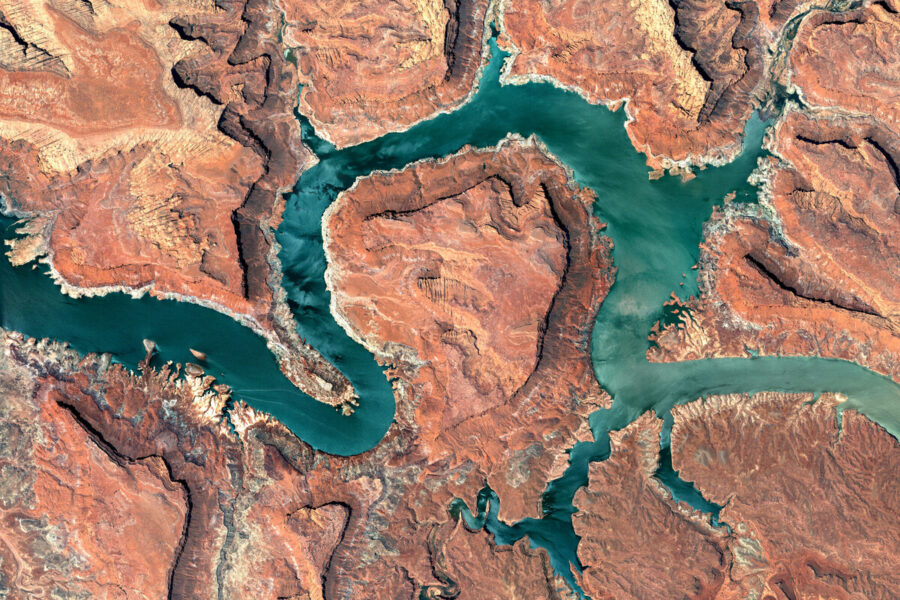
656,227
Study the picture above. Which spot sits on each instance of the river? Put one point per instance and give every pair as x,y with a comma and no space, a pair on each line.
656,227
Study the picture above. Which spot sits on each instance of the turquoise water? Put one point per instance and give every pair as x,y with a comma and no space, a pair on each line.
656,227
31,303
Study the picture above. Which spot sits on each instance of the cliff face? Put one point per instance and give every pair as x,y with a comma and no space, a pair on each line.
135,487
250,511
369,68
815,271
68,503
461,270
637,543
478,277
692,71
148,143
140,486
802,499
803,494
129,148
471,565
864,37
148,146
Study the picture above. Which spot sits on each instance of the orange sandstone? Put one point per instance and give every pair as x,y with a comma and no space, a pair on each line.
477,277
148,145
811,507
135,486
76,517
817,274
269,516
369,68
636,543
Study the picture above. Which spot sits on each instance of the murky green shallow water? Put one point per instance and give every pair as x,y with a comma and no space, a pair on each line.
656,227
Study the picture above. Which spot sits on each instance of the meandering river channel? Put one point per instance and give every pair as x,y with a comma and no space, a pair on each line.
656,227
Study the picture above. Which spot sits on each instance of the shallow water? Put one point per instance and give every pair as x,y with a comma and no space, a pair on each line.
656,227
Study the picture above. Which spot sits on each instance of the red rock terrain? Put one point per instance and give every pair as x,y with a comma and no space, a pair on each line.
128,173
148,146
484,269
135,486
812,508
261,514
815,272
69,505
636,543
692,71
478,277
369,68
472,566
124,486
868,80
813,505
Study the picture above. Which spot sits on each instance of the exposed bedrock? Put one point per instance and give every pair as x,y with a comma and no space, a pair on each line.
812,503
478,278
137,167
636,543
811,506
148,144
257,513
848,62
692,71
140,487
133,486
369,68
814,273
470,565
477,271
151,152
68,503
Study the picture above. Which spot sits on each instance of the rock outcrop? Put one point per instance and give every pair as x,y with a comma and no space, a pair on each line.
810,505
69,504
148,146
814,271
261,514
136,486
635,542
369,68
478,278
692,71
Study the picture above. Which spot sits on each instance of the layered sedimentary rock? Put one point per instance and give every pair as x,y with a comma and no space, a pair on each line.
811,507
255,512
478,277
692,71
134,486
148,146
470,565
817,276
814,271
637,543
812,504
68,504
369,68
866,39
482,261
133,180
